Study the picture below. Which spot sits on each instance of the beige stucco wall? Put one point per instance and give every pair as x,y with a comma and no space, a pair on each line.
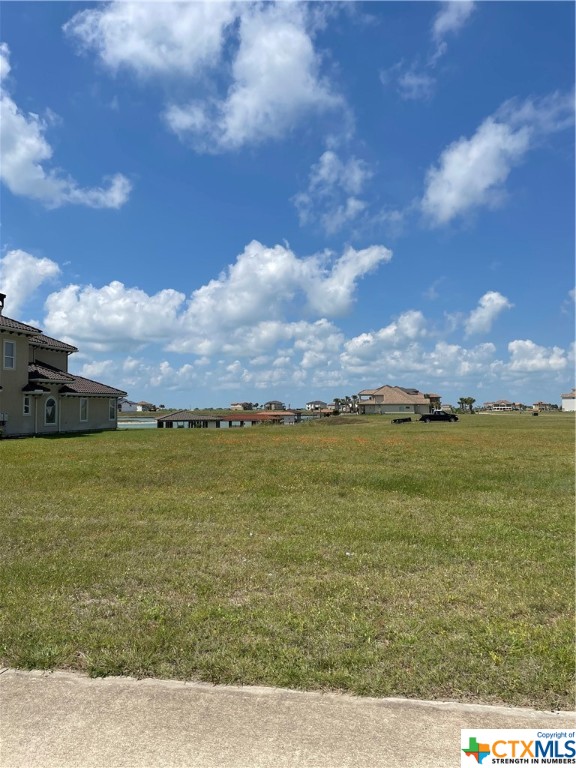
98,414
12,381
53,357
67,415
382,409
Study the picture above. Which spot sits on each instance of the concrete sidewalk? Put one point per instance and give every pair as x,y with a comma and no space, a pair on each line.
66,720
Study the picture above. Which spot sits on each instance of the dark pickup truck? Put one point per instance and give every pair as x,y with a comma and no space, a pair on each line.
438,416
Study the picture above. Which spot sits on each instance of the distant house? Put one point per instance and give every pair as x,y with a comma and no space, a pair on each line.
541,406
499,405
274,405
389,399
435,400
127,406
38,396
316,405
569,401
144,406
193,420
242,406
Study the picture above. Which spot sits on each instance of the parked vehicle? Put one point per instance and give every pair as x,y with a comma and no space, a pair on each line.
438,416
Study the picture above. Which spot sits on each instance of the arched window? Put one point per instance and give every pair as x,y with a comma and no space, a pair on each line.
50,411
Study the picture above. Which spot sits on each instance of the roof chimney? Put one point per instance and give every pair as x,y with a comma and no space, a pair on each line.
2,297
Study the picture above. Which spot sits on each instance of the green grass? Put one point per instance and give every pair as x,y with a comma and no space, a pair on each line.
416,560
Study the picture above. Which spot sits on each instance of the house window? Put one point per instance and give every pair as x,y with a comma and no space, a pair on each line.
83,409
50,411
9,355
112,409
26,405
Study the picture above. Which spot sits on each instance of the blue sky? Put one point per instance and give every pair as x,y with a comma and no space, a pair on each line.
235,201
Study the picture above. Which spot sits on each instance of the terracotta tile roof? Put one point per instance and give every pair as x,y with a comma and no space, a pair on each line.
44,372
14,325
82,386
393,396
71,384
41,340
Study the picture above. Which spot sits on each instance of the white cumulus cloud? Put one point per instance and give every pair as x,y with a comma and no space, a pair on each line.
113,316
252,67
254,305
266,285
332,293
26,155
528,357
373,347
21,274
471,173
490,305
154,38
275,82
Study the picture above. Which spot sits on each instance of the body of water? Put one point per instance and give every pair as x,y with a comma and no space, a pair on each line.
136,423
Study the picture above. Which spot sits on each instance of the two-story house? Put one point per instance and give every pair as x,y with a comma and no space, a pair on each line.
37,394
389,399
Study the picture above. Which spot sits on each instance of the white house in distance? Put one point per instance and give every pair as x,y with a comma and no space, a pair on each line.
316,405
569,401
499,405
127,406
38,396
144,406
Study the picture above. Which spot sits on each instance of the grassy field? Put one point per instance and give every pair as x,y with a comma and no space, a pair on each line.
415,560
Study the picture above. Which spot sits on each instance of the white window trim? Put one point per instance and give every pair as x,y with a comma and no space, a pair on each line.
83,400
27,403
112,409
5,355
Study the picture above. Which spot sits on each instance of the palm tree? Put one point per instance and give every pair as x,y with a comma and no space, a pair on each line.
462,403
